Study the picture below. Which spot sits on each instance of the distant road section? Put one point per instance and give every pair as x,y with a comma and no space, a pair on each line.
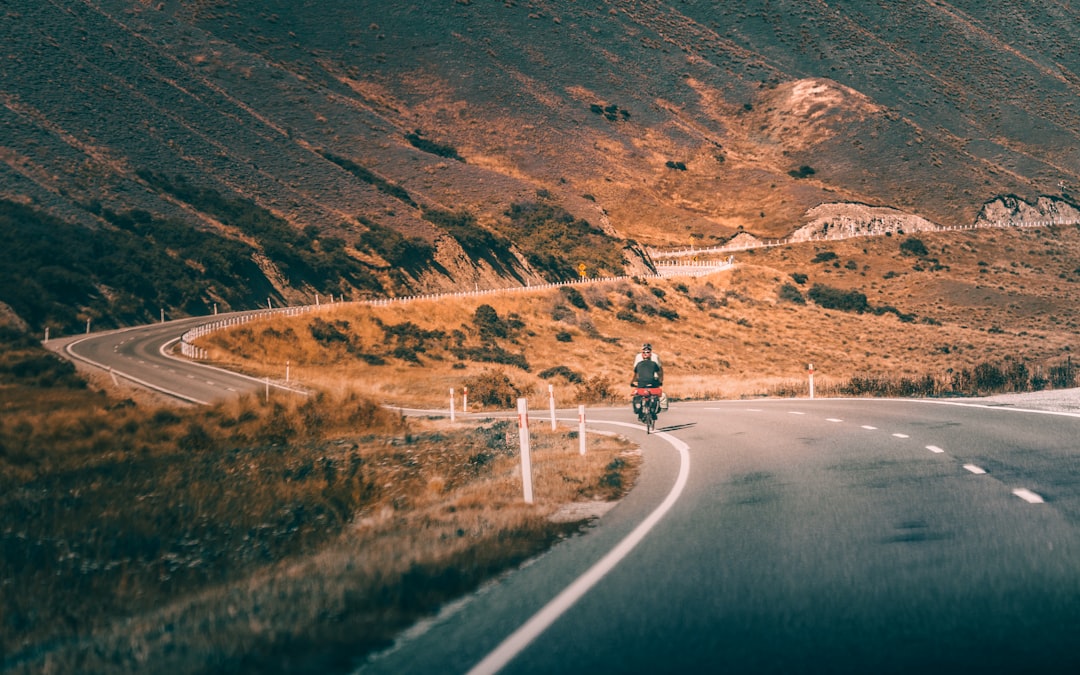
141,355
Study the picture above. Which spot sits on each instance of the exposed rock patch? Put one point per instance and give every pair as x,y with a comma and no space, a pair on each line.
852,220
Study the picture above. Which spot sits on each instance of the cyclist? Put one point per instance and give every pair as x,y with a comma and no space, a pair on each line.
648,374
647,369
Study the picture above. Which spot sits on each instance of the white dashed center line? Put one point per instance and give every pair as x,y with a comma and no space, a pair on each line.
833,419
792,412
974,469
901,435
1028,496
934,448
869,428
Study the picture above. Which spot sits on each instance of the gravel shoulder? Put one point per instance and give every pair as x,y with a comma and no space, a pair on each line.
1057,400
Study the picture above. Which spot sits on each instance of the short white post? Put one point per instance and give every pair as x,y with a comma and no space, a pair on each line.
551,404
87,325
526,458
269,305
581,429
288,364
465,400
811,380
162,315
46,333
268,389
451,404
215,309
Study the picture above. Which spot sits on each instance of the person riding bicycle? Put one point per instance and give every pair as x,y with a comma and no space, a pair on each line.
648,374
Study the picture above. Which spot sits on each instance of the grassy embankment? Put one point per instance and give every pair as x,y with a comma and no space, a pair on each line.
941,314
254,535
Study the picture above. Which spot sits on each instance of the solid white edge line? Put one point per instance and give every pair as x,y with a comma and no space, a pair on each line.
68,349
531,629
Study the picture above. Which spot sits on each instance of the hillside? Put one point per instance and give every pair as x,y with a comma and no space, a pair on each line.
373,149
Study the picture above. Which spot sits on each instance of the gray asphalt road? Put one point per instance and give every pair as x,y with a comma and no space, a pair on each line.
811,536
142,355
771,536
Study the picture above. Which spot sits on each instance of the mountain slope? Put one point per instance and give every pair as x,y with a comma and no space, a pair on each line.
654,123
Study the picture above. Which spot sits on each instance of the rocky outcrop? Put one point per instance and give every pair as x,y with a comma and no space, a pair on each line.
1013,209
840,220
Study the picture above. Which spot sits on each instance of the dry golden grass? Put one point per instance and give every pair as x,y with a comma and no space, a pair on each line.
325,519
976,297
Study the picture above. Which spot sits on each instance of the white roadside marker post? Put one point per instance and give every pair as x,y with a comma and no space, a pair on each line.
811,380
451,404
551,404
581,429
526,457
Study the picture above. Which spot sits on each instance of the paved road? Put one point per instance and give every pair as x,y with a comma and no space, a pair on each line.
770,536
802,536
143,355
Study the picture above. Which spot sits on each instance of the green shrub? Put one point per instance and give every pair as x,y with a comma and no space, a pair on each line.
596,389
440,149
791,294
574,297
563,372
833,298
493,388
913,246
488,323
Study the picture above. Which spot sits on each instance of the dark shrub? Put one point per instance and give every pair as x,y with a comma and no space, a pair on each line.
574,297
834,298
492,388
563,372
791,294
913,246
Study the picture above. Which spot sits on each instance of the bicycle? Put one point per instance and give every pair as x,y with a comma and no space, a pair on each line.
647,406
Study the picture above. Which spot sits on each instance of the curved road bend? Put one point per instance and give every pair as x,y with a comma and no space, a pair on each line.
846,536
141,355
768,536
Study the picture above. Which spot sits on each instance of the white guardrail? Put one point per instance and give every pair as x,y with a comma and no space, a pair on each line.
767,243
664,270
195,352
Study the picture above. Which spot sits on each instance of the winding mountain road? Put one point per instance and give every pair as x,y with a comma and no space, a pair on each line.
768,536
801,536
142,355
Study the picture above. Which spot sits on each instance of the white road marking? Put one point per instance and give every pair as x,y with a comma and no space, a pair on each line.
974,469
901,435
867,426
934,448
531,629
794,412
1028,496
833,419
